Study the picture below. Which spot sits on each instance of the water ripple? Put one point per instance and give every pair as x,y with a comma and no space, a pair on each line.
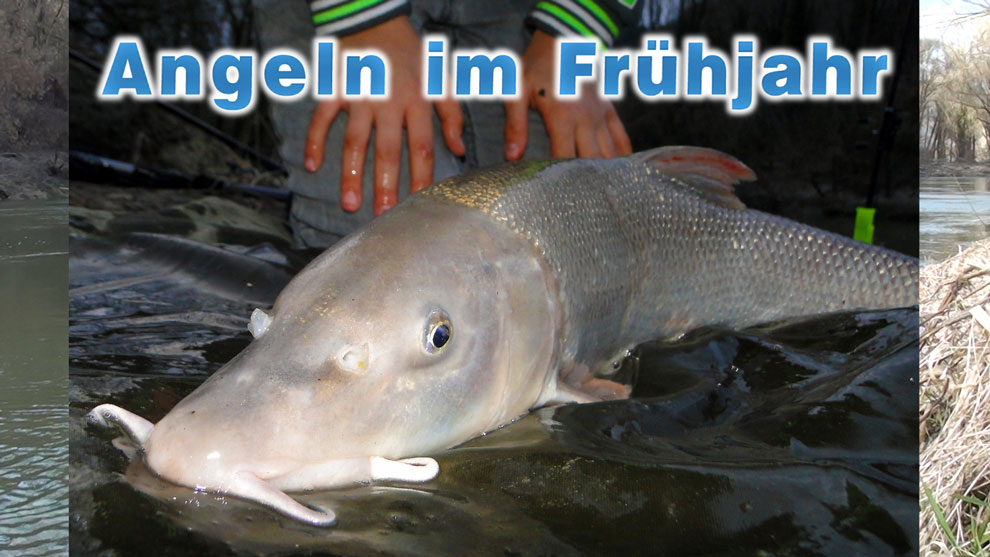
33,483
33,392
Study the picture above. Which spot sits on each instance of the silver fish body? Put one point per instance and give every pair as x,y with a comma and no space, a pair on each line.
637,252
536,275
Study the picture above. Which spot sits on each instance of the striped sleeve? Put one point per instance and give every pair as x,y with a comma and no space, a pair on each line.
346,17
600,19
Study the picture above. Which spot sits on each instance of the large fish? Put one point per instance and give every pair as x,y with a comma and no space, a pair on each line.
485,296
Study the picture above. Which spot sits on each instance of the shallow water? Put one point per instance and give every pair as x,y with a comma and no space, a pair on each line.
954,213
33,393
794,438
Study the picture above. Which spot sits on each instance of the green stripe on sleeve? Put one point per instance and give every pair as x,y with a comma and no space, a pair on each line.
566,18
341,11
594,8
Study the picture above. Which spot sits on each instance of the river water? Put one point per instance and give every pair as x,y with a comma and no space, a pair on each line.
955,211
798,438
33,388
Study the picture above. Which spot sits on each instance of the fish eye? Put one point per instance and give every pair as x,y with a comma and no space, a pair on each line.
441,334
438,332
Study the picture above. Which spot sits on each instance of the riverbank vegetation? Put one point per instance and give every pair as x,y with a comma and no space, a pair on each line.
33,75
34,103
954,407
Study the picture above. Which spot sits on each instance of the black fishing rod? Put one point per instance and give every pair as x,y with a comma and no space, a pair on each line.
888,128
101,170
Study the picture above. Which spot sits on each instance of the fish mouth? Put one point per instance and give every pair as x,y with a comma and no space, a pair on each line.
271,490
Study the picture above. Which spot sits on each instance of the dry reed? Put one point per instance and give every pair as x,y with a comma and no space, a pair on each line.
954,382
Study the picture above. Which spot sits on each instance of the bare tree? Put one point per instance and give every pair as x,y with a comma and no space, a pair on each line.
933,66
34,70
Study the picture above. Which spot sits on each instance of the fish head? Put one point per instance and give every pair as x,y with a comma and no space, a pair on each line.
427,328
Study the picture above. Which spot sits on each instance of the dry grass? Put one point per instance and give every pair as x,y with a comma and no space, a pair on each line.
955,404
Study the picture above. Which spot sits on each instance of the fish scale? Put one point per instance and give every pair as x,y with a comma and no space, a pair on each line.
639,254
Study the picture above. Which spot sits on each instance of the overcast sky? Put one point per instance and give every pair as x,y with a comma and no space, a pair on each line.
936,20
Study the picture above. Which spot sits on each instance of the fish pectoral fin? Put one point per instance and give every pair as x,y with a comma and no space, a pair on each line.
564,393
250,487
418,470
591,390
604,389
709,172
133,426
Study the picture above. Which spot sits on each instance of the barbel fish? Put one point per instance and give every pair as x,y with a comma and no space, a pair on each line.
485,296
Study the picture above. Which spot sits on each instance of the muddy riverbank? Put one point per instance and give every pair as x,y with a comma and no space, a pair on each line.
34,175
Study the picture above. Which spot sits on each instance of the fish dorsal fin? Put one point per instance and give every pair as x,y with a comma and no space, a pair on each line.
709,172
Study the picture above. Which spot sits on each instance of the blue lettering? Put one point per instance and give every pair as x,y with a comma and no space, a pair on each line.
744,77
570,69
434,68
486,74
374,64
324,68
614,66
275,72
697,64
127,56
821,62
668,71
872,66
240,89
790,75
170,67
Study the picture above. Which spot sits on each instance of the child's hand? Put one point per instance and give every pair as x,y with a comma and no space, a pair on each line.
586,127
405,107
